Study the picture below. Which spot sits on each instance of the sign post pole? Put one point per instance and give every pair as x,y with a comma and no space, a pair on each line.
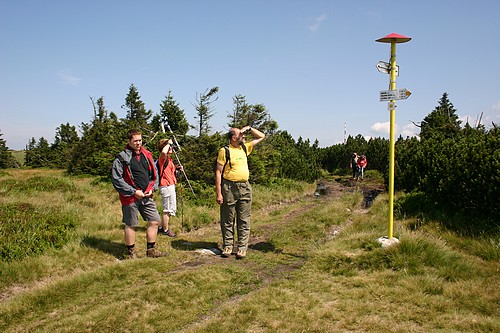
392,86
393,39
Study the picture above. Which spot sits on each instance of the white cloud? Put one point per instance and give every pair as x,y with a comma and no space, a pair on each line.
496,107
486,117
68,79
491,115
382,128
317,22
409,130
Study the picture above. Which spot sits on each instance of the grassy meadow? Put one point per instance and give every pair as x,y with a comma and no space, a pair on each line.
314,265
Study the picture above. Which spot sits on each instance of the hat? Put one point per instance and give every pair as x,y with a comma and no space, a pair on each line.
162,143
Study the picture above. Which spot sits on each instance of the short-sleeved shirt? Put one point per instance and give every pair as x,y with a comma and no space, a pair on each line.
238,171
167,175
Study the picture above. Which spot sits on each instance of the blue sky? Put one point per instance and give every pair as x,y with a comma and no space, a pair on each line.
311,62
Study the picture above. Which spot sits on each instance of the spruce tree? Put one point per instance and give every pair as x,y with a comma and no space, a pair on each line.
252,115
6,158
101,140
38,154
137,116
239,116
204,110
65,141
173,115
442,122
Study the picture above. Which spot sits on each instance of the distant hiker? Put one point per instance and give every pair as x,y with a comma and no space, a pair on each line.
353,163
135,178
168,180
362,162
233,191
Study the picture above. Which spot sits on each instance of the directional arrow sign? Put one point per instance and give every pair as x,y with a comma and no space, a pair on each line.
387,95
403,93
385,67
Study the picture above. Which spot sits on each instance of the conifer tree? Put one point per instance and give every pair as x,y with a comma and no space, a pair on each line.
101,140
238,117
171,114
29,153
65,141
205,111
137,115
252,115
38,154
442,122
6,158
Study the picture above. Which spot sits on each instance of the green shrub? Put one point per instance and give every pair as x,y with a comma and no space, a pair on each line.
27,230
39,183
374,175
421,206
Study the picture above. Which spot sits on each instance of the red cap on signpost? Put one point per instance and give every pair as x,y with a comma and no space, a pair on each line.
394,38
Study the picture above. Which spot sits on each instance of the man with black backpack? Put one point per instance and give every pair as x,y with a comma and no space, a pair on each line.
233,191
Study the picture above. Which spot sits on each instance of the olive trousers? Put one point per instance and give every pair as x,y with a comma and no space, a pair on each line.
236,209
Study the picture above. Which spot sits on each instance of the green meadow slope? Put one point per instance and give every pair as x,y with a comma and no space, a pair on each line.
314,265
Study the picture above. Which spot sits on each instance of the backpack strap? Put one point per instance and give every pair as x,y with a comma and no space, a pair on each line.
228,159
163,168
228,156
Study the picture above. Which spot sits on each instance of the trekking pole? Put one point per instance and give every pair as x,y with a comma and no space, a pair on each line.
182,207
177,156
184,173
173,135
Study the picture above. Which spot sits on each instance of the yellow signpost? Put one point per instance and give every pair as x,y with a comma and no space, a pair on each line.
391,95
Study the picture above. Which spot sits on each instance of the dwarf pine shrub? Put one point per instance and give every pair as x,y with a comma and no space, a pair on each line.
27,230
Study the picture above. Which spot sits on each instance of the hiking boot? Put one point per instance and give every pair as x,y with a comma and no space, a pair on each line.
226,252
241,254
168,233
154,253
132,254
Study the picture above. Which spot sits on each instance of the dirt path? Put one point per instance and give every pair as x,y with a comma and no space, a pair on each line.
327,191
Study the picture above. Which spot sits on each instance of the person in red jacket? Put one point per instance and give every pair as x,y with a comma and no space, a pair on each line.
135,178
168,180
362,162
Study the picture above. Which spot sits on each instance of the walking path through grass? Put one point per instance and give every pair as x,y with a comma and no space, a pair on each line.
313,266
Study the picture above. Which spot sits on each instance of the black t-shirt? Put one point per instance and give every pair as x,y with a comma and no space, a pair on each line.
140,171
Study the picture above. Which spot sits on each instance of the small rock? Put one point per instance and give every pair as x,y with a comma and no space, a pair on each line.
212,252
386,241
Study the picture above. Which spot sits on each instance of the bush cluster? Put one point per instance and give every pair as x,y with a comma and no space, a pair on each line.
27,230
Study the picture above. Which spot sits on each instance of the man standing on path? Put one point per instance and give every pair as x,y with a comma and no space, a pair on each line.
353,163
233,191
135,178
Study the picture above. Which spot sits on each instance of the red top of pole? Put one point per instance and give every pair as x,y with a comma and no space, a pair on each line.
394,38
